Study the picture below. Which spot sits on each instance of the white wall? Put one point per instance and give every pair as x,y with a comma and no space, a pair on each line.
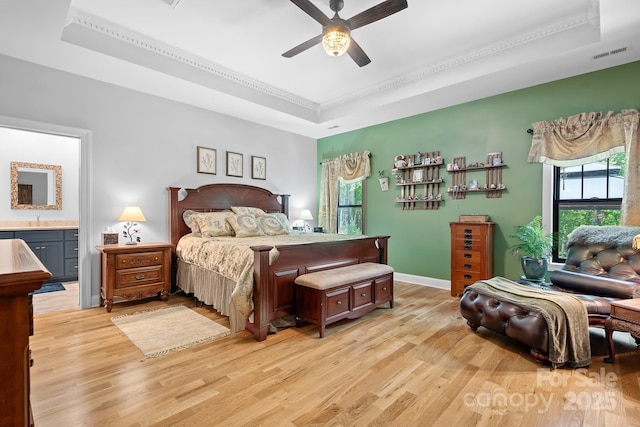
34,147
141,144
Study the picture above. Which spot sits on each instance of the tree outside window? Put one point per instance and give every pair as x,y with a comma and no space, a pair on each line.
351,208
589,194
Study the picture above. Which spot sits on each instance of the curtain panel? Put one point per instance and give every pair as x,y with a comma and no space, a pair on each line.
349,168
590,137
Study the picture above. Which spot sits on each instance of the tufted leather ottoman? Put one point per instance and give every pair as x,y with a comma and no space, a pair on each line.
525,326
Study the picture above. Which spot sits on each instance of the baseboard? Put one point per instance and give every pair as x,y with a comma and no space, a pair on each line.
423,281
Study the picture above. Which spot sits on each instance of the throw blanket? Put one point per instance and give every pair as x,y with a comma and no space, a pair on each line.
565,314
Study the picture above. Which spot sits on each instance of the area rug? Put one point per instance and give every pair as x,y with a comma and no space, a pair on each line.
158,332
50,287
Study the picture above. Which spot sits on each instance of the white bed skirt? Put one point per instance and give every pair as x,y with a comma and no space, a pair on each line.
207,286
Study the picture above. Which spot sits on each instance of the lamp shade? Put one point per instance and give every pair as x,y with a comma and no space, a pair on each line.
336,39
131,214
305,215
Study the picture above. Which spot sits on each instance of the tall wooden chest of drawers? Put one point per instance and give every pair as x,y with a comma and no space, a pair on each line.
471,253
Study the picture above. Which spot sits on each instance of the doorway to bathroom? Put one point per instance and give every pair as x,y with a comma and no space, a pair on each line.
52,230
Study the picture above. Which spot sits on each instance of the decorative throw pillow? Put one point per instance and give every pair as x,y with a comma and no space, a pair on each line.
190,219
245,210
271,225
283,220
245,225
214,224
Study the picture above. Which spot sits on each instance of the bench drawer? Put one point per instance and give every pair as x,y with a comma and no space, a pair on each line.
337,303
362,295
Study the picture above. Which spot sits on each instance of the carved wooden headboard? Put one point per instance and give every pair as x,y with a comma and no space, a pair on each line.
214,198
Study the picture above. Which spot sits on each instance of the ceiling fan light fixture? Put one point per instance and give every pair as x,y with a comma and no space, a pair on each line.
336,40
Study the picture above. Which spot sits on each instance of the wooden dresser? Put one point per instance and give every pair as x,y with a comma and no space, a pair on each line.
20,274
471,253
134,272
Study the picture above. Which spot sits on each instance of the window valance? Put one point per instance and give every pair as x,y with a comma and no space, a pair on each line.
589,137
579,139
349,168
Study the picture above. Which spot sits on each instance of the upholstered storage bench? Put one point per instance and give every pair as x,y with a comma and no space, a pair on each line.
324,297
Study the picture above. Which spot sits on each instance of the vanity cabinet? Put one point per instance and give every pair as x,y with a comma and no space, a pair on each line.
56,249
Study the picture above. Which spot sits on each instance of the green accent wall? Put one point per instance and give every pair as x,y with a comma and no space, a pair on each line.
420,240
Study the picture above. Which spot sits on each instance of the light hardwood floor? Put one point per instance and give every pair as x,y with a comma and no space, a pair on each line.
57,301
417,364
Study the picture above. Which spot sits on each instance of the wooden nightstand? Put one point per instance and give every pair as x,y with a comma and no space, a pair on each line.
133,272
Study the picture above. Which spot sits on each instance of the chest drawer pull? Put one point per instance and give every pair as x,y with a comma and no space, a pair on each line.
468,242
467,248
467,266
468,236
140,276
467,255
339,302
467,276
468,230
363,294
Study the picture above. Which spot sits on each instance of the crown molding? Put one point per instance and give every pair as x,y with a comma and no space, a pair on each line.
139,41
87,30
590,18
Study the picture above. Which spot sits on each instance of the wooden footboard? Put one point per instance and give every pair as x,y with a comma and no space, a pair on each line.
273,293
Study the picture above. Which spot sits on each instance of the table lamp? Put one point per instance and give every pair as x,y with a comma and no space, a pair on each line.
305,216
132,215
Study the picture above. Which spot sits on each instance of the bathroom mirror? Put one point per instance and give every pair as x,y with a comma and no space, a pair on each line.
36,186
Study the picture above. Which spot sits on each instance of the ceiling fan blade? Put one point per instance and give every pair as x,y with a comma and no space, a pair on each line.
303,46
357,54
311,10
376,13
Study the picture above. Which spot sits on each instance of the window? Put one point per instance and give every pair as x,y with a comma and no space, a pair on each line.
590,194
351,208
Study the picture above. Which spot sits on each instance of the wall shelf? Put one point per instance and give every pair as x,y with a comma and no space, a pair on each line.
493,185
419,181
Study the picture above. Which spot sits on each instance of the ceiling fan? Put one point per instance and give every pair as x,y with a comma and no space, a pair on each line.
336,32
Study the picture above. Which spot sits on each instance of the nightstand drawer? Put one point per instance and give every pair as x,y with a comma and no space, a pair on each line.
138,276
135,260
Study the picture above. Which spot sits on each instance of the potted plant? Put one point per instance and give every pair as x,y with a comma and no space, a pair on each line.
534,248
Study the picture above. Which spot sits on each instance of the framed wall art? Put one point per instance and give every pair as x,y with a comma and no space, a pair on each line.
234,164
258,167
207,160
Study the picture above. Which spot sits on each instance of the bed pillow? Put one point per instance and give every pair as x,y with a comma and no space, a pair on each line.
214,224
272,225
190,219
245,210
283,219
245,225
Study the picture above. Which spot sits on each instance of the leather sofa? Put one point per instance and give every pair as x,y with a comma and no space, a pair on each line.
601,266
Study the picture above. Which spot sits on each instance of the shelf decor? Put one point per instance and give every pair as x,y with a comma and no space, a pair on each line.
493,186
418,178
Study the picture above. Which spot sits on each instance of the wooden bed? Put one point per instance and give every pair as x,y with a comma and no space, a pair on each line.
273,292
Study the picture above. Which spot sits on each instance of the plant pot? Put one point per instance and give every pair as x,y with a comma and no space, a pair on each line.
534,268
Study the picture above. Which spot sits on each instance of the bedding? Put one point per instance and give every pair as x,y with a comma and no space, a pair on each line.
230,260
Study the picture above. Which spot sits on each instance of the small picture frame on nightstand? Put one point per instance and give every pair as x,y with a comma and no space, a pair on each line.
109,238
